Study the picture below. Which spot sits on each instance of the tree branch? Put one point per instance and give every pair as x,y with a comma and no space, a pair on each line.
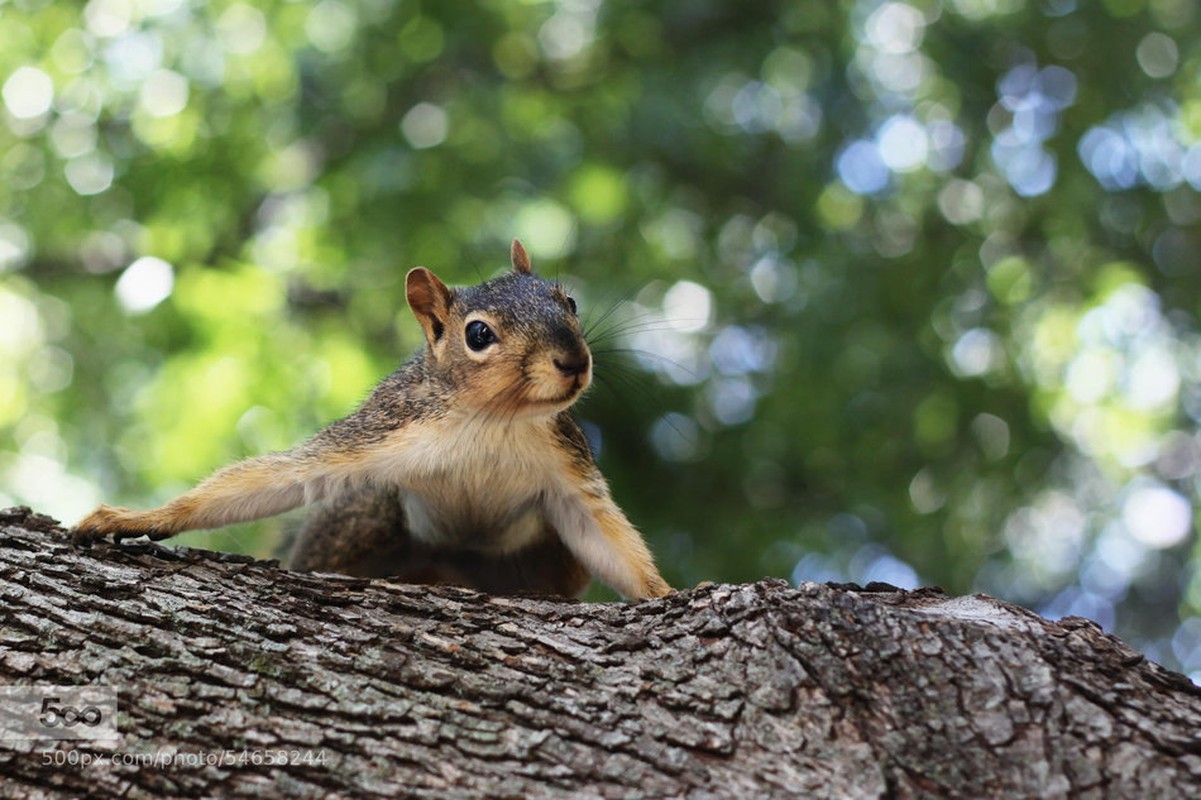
384,689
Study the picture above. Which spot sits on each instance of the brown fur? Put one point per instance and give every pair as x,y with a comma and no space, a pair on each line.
375,550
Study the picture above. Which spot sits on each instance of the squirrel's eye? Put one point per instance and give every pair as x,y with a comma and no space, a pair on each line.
479,335
571,304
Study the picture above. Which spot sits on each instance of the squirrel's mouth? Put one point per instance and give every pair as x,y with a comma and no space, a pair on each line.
578,385
566,394
558,381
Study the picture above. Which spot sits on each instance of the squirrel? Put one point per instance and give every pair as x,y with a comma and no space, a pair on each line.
463,466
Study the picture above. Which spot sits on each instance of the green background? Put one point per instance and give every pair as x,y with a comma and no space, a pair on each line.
900,291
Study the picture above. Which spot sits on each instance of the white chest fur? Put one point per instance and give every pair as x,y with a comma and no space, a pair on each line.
475,483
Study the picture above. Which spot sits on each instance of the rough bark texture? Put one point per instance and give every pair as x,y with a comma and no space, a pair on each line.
761,690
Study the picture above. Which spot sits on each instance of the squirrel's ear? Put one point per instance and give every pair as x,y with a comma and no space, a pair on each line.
521,259
430,300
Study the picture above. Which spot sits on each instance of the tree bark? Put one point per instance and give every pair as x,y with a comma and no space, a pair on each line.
226,666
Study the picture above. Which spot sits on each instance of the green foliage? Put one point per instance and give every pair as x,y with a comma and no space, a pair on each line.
910,286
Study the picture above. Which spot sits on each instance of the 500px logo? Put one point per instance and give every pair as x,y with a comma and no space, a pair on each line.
54,715
58,712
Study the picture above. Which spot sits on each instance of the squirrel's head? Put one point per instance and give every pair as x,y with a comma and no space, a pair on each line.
512,344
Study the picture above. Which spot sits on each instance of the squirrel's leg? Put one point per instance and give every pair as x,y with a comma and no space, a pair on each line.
358,533
598,534
248,490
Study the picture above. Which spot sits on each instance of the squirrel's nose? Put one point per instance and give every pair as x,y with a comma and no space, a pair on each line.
573,366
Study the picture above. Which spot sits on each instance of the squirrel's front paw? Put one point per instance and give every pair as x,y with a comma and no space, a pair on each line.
657,587
120,523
